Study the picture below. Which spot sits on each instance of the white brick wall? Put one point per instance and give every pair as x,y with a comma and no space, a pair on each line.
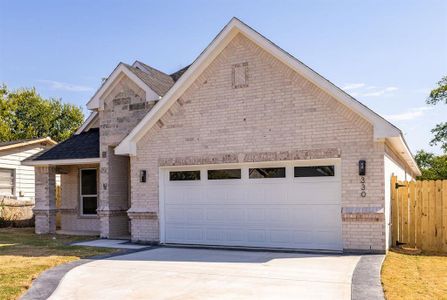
278,111
71,220
123,107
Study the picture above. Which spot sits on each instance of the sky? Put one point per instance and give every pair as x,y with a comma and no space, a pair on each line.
387,54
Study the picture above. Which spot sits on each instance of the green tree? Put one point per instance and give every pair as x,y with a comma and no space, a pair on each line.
24,114
432,166
439,95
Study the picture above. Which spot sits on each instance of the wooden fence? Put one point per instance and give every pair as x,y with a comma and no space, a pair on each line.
419,214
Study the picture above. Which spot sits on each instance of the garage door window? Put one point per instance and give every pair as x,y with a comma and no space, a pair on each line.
224,174
257,173
184,175
314,171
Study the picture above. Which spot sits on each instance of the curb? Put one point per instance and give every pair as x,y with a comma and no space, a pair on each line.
366,282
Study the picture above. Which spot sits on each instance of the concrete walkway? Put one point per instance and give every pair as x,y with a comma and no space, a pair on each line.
108,243
184,273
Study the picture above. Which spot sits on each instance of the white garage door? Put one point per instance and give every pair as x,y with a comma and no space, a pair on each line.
275,205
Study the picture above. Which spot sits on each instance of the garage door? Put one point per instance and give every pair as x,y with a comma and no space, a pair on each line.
275,205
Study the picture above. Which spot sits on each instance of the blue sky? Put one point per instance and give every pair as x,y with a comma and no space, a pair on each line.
387,54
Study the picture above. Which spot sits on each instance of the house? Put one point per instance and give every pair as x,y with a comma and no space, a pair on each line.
245,147
17,180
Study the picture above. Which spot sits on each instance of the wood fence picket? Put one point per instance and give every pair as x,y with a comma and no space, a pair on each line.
419,214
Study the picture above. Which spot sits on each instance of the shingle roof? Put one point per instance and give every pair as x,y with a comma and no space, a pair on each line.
83,145
158,81
176,75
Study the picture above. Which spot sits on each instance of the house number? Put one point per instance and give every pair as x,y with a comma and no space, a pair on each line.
362,186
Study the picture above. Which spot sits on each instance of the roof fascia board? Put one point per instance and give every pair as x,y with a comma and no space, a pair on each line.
23,144
114,78
87,122
401,148
60,162
382,128
127,146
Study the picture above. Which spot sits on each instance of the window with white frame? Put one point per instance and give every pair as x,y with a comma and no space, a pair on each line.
89,191
7,182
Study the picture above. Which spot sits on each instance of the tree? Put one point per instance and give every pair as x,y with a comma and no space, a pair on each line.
439,95
24,114
433,167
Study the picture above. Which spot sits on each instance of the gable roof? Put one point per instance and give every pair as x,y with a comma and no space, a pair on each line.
157,80
25,142
382,128
154,82
90,119
137,76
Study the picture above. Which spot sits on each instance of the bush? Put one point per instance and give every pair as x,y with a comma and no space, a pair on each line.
16,213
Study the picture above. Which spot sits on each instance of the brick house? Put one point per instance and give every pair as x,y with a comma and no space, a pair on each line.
245,147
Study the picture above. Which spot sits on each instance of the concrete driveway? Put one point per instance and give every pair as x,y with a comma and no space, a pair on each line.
186,273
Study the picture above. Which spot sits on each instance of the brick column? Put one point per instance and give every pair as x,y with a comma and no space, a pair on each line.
45,208
113,196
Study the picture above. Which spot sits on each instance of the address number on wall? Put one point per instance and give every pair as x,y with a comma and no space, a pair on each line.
362,186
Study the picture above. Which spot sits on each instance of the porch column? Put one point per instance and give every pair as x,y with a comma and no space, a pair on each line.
113,196
45,208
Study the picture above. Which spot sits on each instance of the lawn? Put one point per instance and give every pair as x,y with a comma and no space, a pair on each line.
24,255
410,276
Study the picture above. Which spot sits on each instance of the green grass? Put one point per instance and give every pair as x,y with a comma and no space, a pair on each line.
414,276
24,255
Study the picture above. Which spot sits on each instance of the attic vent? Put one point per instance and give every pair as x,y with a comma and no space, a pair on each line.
240,75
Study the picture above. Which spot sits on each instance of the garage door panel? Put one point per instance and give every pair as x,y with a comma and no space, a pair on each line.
176,214
282,212
256,236
195,214
194,234
284,237
182,195
307,239
224,214
313,193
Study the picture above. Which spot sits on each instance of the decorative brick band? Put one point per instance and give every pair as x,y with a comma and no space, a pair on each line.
138,215
44,212
362,214
251,157
68,211
363,217
369,210
111,213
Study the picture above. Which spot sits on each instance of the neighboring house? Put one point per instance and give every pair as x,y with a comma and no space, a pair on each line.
245,147
17,180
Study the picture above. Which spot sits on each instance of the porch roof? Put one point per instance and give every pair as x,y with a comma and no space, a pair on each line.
79,147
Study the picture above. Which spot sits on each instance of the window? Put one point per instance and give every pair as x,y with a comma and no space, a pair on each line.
7,182
89,191
255,173
314,171
184,175
224,174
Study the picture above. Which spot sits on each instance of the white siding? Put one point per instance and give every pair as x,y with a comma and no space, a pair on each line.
392,168
24,175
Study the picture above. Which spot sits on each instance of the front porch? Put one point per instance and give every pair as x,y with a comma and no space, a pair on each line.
93,191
